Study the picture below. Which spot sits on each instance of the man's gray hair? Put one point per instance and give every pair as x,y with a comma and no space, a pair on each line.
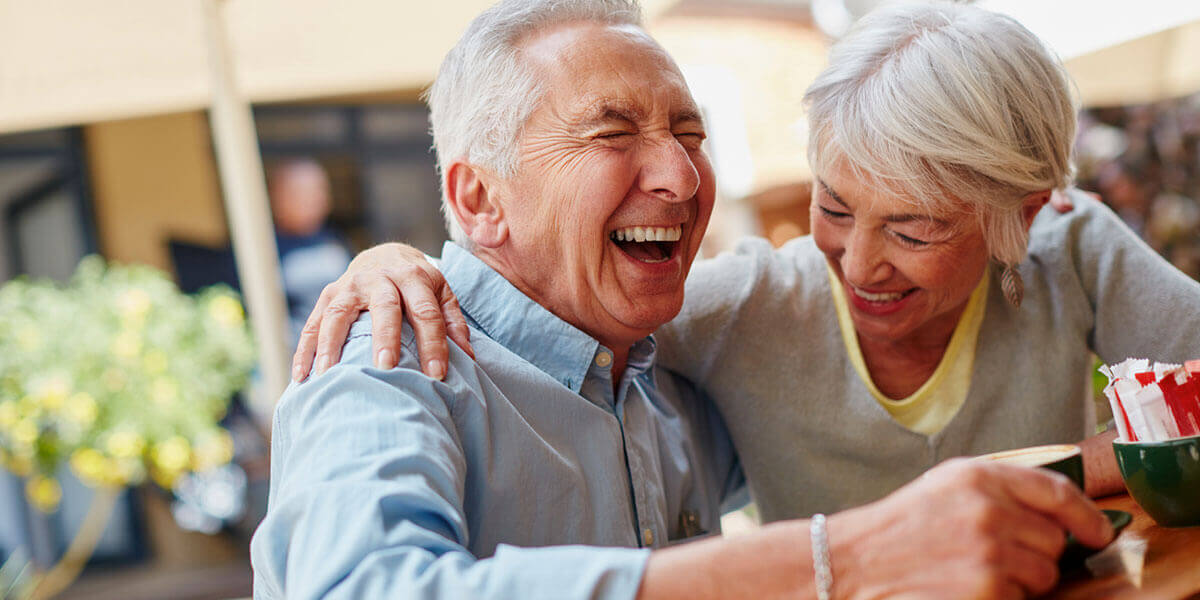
485,92
947,104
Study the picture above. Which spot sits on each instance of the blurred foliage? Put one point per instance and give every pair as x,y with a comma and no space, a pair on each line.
1144,161
117,374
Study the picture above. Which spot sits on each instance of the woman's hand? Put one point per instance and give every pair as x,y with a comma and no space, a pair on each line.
964,530
387,280
1062,203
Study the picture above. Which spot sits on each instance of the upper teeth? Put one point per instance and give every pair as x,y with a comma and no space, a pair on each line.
888,297
648,234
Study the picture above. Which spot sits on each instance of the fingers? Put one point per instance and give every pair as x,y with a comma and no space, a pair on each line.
339,315
1034,572
1061,201
456,323
425,316
414,286
1038,533
306,349
386,317
1056,497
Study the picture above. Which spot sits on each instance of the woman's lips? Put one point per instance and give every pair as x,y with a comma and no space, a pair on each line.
878,303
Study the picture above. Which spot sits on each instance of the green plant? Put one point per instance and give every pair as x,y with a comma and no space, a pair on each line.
118,375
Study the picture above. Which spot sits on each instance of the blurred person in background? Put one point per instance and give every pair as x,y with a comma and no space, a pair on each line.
560,461
935,311
310,254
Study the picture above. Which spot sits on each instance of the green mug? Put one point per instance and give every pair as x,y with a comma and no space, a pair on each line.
1063,458
1164,478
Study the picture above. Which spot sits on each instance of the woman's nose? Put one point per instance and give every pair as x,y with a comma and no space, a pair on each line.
863,262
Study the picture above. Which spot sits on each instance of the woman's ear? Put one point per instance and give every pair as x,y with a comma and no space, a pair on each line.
476,209
1031,204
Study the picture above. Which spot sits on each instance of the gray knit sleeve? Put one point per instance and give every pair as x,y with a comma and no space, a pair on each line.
1141,305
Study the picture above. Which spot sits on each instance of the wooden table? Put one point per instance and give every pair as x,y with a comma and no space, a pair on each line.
1145,561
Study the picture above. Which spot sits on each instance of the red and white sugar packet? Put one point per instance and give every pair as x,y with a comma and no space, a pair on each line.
1154,402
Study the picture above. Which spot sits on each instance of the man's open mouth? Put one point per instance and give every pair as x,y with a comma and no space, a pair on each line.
648,244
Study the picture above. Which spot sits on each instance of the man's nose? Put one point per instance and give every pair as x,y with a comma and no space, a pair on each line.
863,259
667,170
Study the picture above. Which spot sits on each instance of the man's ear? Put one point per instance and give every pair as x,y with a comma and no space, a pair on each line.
476,209
1031,204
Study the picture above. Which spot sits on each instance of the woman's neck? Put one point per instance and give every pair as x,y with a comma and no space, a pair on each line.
900,367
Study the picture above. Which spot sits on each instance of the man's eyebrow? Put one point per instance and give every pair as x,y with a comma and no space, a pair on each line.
601,113
604,112
688,115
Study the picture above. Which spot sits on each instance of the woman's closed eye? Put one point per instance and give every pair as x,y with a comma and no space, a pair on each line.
833,214
910,241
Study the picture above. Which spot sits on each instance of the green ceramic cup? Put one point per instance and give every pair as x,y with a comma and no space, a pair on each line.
1164,478
1063,458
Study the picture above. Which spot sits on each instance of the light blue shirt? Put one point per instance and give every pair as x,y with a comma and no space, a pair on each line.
521,475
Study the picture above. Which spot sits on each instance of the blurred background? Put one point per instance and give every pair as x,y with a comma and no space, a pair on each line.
260,143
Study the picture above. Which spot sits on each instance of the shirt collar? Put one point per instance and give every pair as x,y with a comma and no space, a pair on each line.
518,323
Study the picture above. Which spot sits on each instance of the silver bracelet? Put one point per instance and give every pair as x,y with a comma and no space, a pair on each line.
820,555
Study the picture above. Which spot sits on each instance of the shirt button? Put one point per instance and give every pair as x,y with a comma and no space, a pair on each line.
603,359
647,537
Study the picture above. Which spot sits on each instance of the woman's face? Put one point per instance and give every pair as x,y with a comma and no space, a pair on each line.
907,275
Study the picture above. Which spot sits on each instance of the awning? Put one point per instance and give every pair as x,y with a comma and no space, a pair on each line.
1119,52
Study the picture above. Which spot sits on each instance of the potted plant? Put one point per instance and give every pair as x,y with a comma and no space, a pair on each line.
119,377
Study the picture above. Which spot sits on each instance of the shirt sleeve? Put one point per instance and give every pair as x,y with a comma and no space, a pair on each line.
1142,305
366,500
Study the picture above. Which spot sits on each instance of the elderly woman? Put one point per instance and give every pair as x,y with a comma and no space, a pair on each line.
935,311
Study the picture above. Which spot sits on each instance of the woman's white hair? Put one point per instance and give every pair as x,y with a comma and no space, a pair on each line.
949,106
485,92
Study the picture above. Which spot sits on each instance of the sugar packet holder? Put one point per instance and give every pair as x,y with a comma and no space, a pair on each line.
1154,402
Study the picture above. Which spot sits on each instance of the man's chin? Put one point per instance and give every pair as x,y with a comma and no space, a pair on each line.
649,274
647,313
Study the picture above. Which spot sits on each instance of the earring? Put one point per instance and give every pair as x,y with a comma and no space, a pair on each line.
1011,284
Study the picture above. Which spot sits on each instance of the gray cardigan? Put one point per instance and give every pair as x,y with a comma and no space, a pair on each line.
759,333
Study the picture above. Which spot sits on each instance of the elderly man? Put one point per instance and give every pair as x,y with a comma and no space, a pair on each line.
561,462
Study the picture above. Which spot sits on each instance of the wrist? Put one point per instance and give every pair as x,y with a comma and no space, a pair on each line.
848,533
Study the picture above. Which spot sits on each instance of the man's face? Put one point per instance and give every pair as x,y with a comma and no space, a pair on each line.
300,198
610,157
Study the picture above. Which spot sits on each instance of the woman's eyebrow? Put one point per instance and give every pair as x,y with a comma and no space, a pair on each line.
898,218
909,218
832,194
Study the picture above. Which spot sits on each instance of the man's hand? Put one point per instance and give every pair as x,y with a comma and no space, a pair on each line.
387,280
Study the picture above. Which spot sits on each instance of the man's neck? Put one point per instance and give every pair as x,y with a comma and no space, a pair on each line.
618,345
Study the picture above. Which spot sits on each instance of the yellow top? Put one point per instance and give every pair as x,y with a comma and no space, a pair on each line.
931,407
